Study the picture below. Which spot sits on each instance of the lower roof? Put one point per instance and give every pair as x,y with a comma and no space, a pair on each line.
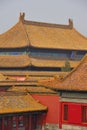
31,73
19,103
76,80
32,89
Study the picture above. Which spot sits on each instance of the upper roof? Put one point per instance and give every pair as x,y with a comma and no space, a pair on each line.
19,103
76,80
43,35
21,61
14,38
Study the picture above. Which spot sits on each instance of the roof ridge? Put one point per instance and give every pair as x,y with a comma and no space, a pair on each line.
69,26
21,19
25,32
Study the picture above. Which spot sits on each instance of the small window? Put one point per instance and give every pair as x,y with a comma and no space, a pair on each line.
73,55
65,117
84,114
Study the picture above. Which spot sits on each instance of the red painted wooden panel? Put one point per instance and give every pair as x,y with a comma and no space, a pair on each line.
74,113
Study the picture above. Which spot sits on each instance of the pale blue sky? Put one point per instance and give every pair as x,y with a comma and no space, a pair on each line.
51,11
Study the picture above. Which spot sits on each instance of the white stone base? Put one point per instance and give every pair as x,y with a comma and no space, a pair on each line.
64,127
50,127
73,127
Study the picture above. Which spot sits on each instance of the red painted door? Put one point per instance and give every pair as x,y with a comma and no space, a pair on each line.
74,113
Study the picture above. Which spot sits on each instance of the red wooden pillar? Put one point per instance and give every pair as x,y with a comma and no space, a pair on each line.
9,123
43,119
60,115
2,123
17,123
30,122
26,123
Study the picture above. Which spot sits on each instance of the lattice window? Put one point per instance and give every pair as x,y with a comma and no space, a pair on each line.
65,117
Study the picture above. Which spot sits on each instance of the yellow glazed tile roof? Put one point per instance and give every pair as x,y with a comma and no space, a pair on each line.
14,61
2,77
31,89
76,80
52,63
43,35
15,82
14,38
36,78
25,61
20,103
31,73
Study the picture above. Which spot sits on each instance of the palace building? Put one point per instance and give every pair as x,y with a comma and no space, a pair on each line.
20,111
34,51
43,47
27,106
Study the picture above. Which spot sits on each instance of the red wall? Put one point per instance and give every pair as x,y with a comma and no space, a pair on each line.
55,110
52,102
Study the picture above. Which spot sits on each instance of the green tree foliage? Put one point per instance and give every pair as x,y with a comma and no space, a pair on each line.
66,67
